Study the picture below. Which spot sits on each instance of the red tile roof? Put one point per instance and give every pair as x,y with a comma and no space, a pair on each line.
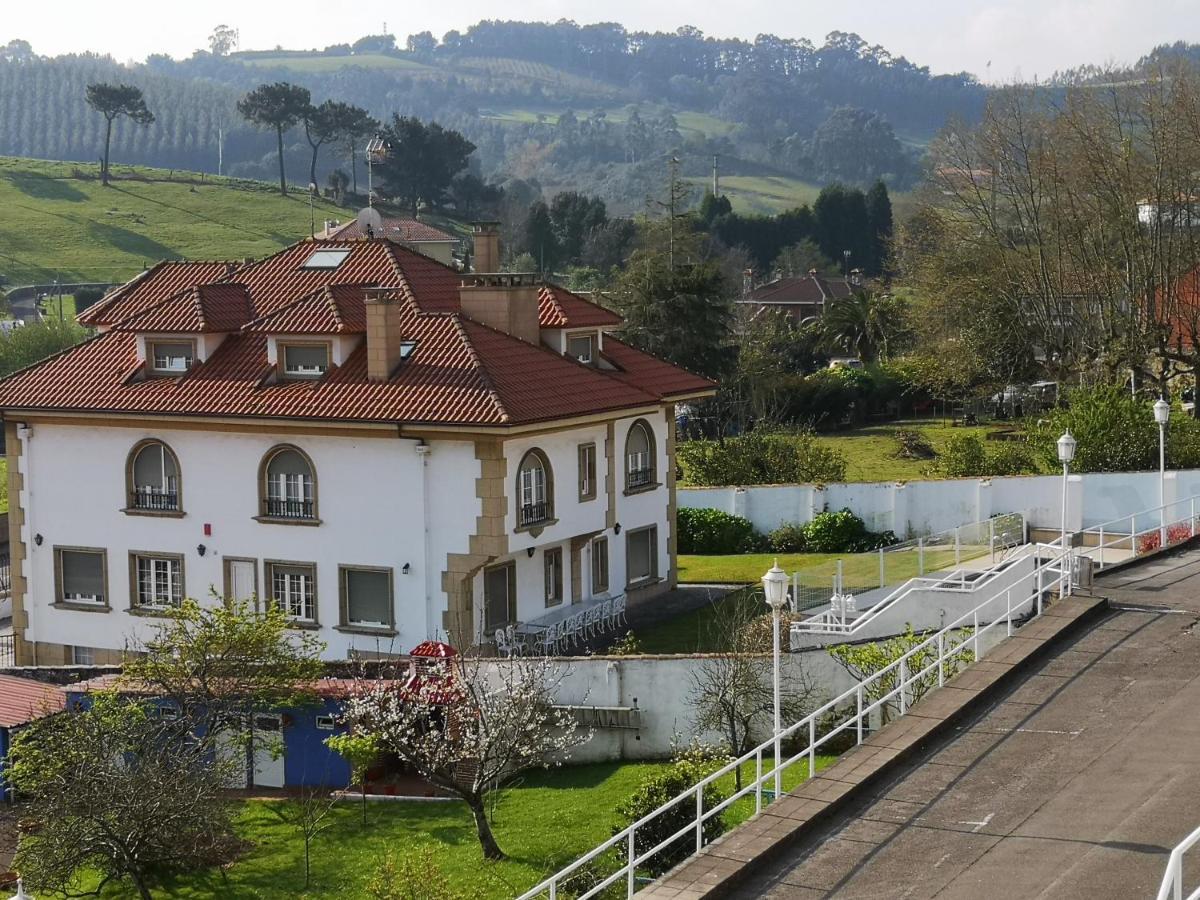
157,284
460,372
22,700
404,230
801,289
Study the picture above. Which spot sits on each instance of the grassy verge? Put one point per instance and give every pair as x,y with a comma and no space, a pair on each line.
543,823
858,570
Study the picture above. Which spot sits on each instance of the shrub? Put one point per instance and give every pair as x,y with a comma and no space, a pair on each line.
842,532
911,444
787,538
658,789
711,531
761,457
962,457
1011,458
1114,431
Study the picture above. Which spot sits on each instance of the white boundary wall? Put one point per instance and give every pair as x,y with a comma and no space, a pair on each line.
917,508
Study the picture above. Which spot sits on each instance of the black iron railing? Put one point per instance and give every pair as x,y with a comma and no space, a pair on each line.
639,478
290,509
532,513
155,499
8,651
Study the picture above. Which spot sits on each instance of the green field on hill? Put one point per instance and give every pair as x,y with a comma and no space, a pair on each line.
333,63
60,222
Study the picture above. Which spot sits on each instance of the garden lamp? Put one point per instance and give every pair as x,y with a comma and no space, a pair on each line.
1162,412
775,584
1066,453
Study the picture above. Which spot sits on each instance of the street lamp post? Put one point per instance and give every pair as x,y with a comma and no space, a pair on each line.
775,584
1162,412
1066,453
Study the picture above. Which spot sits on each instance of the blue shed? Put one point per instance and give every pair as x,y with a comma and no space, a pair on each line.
23,700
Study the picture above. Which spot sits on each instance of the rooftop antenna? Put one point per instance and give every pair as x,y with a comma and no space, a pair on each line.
376,151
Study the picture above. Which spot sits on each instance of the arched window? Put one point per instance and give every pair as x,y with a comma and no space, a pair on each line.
639,456
289,485
153,478
535,490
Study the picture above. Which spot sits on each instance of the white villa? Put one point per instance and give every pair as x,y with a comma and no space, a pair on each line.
389,450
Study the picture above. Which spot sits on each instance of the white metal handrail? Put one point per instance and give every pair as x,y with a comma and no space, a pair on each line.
853,704
1172,883
1122,533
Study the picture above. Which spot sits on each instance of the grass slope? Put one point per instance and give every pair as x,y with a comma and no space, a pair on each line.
871,451
57,225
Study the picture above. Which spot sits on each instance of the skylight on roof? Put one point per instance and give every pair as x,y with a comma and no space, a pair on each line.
325,259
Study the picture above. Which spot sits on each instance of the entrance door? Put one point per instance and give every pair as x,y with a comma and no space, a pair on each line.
241,579
268,750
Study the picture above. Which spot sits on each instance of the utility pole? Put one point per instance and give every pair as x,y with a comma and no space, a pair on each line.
716,185
674,164
220,150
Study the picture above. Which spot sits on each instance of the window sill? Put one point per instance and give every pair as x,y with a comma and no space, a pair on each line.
304,626
588,498
644,583
277,520
535,528
366,629
155,513
156,612
82,607
642,488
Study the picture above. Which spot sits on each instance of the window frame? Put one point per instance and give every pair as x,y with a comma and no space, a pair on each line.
600,586
152,357
344,623
135,606
586,457
102,605
652,576
650,481
131,488
88,652
590,337
532,521
281,349
552,576
269,567
510,568
264,489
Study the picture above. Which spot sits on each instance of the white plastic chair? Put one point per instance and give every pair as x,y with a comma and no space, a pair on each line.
619,610
606,621
503,646
550,639
571,630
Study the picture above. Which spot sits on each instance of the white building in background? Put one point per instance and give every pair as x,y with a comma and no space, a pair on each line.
388,450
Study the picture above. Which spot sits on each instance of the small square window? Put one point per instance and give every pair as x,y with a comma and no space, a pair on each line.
171,358
325,723
325,259
582,347
81,576
83,656
367,597
305,360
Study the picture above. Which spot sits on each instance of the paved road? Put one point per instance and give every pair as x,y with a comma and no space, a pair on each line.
1075,785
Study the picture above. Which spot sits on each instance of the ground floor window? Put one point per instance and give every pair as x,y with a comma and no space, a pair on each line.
499,596
641,554
294,589
158,580
554,575
600,565
366,597
83,656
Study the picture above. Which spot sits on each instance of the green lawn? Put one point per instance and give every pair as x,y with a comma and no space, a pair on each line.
871,451
61,226
543,823
857,568
334,63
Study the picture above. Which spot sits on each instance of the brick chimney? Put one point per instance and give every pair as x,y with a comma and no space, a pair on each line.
486,237
506,301
385,338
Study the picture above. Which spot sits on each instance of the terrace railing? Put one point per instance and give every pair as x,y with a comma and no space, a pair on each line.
1140,534
892,686
1173,886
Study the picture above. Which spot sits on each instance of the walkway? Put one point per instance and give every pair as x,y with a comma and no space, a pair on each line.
1074,785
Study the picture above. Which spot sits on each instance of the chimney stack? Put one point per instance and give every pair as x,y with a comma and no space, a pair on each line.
487,246
505,301
385,338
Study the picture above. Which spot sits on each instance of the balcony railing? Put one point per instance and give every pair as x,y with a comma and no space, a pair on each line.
290,509
155,499
533,513
639,478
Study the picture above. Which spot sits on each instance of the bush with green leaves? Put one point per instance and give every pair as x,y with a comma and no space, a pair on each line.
842,532
1011,458
683,773
787,538
761,457
962,457
713,532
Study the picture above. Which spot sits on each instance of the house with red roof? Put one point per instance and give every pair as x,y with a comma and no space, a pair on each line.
412,233
385,448
23,700
802,298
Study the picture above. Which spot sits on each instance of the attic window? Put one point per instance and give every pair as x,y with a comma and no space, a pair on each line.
582,347
305,360
406,348
170,357
325,259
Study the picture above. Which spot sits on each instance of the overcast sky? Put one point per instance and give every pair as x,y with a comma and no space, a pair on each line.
1018,37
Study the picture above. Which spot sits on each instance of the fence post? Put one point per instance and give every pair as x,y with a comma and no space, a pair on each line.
758,781
957,546
1133,536
630,880
1192,520
858,696
1008,614
975,634
699,818
812,746
991,540
882,570
941,659
903,681
1101,551
920,556
1038,586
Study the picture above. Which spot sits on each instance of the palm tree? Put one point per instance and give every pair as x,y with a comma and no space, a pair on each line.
861,324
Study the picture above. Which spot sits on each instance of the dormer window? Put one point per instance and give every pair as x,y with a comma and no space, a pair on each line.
325,259
171,357
305,360
582,347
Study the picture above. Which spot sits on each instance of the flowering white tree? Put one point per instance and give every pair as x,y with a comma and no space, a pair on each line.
469,726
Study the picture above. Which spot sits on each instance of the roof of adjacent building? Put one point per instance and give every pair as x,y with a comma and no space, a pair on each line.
809,289
460,372
328,688
406,231
23,700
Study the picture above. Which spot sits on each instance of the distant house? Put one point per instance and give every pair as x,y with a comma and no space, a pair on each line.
23,700
425,239
801,297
